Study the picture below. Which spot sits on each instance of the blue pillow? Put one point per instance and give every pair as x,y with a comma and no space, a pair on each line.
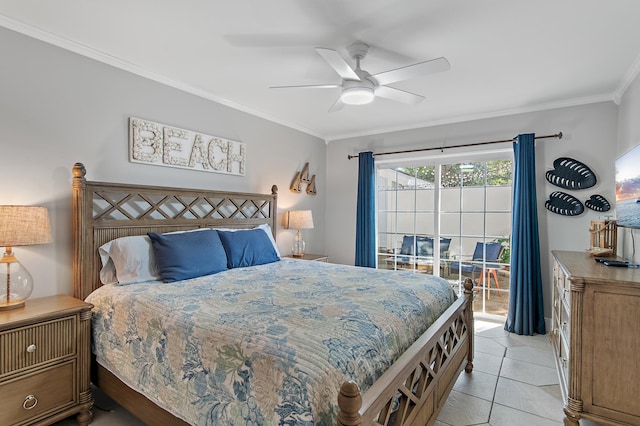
188,255
248,248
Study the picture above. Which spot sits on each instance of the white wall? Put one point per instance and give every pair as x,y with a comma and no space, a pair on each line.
58,108
628,138
590,134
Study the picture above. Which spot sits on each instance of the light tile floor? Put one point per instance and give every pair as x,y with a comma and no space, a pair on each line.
514,382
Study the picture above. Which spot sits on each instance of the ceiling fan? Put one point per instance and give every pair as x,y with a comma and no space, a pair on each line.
358,87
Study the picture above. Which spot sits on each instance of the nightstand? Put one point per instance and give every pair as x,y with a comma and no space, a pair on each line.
45,362
314,257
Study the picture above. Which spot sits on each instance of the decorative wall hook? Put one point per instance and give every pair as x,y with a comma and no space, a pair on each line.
304,174
311,187
295,184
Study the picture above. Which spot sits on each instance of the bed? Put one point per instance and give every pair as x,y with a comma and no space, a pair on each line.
410,390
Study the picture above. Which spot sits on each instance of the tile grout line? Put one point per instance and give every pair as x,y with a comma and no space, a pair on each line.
526,412
500,371
493,397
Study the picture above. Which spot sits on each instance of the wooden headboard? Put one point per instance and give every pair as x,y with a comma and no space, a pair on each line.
105,211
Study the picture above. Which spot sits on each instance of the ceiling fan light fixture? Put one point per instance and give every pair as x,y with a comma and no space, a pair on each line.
357,95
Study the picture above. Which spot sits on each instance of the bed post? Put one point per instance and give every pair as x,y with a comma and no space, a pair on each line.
79,184
468,292
273,213
349,401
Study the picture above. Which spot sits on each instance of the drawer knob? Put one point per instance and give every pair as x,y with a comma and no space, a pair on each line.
31,348
30,402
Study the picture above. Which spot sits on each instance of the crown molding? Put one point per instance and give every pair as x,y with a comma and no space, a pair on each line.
471,117
108,59
631,75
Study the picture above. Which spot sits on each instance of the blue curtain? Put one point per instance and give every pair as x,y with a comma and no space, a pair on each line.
526,307
366,212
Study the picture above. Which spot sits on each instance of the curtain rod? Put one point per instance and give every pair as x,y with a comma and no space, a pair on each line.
442,148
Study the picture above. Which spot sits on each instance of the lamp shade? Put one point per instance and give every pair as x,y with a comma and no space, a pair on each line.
300,219
24,226
19,226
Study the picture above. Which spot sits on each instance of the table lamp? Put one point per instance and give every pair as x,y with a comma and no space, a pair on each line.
299,219
19,226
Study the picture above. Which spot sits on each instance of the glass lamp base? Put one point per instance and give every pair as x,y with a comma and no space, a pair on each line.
298,246
16,282
13,304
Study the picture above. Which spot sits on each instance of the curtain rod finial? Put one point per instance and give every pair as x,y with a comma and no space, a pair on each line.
559,135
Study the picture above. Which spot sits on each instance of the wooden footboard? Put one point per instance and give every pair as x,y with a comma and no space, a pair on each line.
414,389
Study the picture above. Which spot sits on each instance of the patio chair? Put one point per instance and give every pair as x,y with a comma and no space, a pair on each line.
416,252
485,255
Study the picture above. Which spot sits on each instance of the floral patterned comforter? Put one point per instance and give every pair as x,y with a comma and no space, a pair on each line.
263,345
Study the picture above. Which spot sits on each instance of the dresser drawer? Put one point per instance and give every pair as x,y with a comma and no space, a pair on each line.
564,323
33,395
26,347
563,359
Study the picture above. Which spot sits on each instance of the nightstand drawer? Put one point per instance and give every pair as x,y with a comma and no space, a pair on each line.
31,396
43,342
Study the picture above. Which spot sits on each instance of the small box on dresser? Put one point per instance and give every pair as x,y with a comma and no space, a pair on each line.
596,339
45,362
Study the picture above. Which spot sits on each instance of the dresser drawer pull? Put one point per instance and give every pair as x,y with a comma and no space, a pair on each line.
30,402
31,348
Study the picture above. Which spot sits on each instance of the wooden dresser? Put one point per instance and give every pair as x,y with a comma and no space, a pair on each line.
45,362
596,338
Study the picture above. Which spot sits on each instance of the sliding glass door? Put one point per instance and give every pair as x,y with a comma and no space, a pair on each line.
451,219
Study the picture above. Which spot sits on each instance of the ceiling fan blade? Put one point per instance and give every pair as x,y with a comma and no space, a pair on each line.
338,63
310,86
337,106
398,95
412,71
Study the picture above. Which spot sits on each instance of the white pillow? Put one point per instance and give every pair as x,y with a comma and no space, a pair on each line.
108,270
128,260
